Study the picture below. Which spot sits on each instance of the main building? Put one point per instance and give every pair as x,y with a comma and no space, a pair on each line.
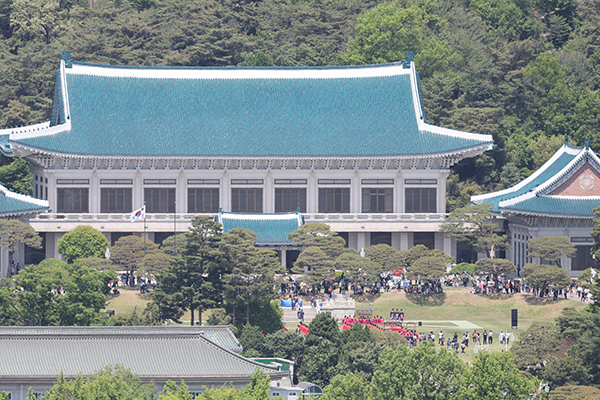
347,146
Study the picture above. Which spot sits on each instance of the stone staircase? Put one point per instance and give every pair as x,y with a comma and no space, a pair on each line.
339,305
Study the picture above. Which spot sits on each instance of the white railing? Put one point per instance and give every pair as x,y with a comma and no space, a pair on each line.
374,217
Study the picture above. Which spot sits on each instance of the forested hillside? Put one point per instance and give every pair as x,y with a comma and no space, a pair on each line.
526,71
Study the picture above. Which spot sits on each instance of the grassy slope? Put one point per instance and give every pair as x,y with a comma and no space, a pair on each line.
486,312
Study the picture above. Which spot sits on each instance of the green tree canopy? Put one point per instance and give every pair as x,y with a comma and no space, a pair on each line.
55,293
17,176
495,267
83,241
13,232
551,248
395,380
192,281
318,265
321,236
543,276
473,223
426,267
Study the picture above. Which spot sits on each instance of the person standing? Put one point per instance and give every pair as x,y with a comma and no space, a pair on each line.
501,337
485,335
441,336
490,337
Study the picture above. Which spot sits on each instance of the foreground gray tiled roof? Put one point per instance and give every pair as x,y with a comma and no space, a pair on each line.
160,352
350,111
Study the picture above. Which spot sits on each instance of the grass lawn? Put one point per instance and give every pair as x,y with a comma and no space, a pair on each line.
446,312
127,301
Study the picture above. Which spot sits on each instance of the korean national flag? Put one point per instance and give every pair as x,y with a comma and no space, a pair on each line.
138,214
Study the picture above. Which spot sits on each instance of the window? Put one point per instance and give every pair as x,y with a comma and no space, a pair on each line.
159,200
427,239
290,181
290,199
334,181
247,200
116,181
72,181
583,259
247,181
420,181
377,200
420,200
203,200
72,200
115,200
160,181
334,200
381,238
377,181
204,181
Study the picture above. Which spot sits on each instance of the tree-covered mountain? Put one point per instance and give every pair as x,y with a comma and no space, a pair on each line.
526,71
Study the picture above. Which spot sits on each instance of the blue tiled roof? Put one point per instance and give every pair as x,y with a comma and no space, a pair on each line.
269,228
531,184
556,206
5,145
12,203
246,117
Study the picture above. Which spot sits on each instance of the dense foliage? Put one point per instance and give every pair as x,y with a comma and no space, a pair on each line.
525,71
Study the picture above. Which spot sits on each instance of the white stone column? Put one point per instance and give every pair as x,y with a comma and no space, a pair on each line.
399,209
269,195
313,194
137,195
181,193
225,192
4,264
355,195
353,240
396,240
361,240
404,245
95,193
52,192
441,203
283,256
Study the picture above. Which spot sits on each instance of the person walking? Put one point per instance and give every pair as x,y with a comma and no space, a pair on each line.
501,337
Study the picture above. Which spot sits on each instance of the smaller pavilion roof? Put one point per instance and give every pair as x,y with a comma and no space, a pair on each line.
270,229
567,185
15,204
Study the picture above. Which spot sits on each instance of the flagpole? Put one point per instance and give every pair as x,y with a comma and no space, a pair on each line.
175,227
144,228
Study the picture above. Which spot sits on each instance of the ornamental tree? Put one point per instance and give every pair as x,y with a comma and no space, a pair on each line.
319,266
473,224
129,252
426,267
543,276
356,266
386,256
13,232
494,267
249,271
83,241
321,236
551,248
192,281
